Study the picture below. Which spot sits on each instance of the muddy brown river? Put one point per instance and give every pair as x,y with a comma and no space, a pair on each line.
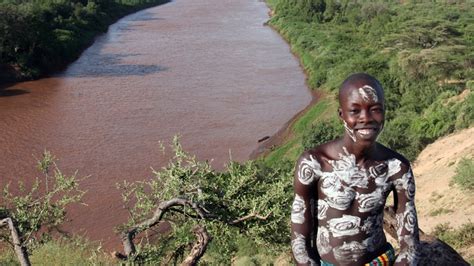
208,70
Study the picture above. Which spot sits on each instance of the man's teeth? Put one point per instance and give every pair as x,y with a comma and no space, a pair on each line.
365,131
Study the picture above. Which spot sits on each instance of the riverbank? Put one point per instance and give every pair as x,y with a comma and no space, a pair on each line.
40,38
286,137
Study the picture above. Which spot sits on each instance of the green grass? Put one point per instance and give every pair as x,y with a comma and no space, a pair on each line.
440,211
292,148
75,251
435,196
465,174
305,122
457,238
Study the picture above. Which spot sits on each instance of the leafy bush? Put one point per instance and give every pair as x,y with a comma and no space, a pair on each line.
246,202
457,238
42,207
465,117
321,133
465,174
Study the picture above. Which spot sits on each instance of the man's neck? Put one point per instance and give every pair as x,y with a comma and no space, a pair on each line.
361,151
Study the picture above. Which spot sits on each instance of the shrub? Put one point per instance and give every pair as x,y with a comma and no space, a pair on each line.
457,238
465,174
42,207
246,202
321,133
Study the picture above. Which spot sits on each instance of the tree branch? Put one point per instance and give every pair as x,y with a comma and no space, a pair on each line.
199,247
20,250
129,234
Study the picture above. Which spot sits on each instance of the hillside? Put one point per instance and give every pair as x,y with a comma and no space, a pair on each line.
437,201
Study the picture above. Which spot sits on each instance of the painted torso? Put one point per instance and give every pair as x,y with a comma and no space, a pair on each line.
346,206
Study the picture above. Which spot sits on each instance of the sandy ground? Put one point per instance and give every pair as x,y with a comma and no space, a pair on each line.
437,201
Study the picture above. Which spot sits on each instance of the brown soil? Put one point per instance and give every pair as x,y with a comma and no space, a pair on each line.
437,200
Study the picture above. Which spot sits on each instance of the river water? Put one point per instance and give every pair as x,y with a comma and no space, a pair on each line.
208,70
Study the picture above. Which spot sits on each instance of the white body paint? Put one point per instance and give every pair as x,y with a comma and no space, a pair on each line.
412,254
322,241
297,210
394,166
347,225
346,183
410,217
372,222
349,131
407,221
368,93
347,170
298,246
308,170
370,202
374,241
338,196
349,251
322,209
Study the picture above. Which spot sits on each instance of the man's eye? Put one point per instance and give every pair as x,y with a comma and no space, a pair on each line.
353,111
377,110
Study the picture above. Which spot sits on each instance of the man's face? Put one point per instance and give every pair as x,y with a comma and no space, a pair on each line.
362,112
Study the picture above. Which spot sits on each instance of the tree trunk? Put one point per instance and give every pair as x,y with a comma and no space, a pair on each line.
433,252
20,250
199,247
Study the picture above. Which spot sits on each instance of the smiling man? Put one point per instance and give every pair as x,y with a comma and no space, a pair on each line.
341,188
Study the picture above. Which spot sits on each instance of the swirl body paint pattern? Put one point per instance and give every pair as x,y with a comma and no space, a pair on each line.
298,246
308,170
370,202
349,180
322,209
324,246
347,170
346,188
368,93
297,210
347,225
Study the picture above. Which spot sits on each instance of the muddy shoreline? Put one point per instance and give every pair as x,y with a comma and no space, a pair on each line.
280,137
271,142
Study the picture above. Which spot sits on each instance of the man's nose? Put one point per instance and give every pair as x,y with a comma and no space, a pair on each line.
365,116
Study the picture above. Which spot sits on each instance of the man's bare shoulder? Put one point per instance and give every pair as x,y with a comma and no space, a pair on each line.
386,154
326,151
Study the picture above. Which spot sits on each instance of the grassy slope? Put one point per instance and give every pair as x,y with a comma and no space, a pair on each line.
415,118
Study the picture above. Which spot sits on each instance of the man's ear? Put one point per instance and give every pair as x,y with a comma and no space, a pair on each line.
339,112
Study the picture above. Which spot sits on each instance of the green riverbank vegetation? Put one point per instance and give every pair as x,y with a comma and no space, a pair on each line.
421,52
41,36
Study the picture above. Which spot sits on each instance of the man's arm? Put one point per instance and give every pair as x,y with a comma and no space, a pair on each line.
307,173
407,221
